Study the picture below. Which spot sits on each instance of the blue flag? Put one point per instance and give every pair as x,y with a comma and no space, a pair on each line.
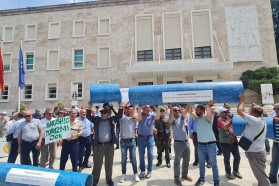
21,80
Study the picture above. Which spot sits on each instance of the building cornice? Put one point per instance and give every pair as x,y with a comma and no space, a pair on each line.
74,6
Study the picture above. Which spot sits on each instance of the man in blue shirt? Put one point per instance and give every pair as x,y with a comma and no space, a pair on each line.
85,142
146,121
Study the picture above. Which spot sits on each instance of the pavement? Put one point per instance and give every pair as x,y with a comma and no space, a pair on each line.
163,176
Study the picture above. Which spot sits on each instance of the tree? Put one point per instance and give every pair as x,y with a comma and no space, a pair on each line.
275,17
253,79
60,105
22,106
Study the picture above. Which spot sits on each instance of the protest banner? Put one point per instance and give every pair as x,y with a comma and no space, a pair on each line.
57,129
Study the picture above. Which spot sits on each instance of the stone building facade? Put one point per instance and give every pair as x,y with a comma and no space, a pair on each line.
131,42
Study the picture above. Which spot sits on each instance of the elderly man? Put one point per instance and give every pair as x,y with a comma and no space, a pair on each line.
29,138
47,148
206,141
275,149
228,144
70,146
103,143
146,120
181,144
255,126
85,141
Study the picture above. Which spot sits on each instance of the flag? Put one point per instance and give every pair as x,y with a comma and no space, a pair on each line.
2,88
21,80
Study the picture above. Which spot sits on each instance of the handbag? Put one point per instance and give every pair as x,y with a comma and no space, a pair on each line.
245,143
9,137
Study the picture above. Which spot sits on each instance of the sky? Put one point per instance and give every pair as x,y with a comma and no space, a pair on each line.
13,4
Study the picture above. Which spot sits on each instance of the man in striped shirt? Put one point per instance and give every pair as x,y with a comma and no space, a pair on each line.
275,149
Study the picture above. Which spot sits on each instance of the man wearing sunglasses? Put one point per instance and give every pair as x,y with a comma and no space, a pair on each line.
29,138
275,149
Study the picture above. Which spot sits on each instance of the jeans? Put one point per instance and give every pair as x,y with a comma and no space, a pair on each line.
84,143
131,145
274,161
117,133
227,149
26,147
69,148
181,150
145,142
210,150
13,153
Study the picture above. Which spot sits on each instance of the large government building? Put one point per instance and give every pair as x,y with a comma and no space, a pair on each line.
131,42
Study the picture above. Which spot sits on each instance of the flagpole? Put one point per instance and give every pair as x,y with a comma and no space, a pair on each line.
19,89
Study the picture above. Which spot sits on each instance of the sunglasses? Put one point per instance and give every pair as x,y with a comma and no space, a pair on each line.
162,111
49,113
176,110
27,116
276,109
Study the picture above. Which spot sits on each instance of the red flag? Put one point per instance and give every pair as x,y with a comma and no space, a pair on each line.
2,88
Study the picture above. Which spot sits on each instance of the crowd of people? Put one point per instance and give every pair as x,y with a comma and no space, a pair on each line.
98,131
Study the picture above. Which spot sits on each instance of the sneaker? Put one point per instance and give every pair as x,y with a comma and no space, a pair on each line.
110,183
195,163
136,177
87,166
187,178
122,179
272,180
219,153
158,164
177,182
141,175
208,165
148,175
230,176
237,174
199,182
168,165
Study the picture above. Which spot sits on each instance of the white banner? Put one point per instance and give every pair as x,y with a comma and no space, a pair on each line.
4,149
187,96
31,177
57,130
267,94
74,92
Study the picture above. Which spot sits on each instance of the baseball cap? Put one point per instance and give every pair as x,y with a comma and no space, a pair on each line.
223,110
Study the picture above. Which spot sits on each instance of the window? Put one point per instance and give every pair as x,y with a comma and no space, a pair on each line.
30,32
172,36
103,81
104,26
201,81
173,54
4,96
27,92
51,91
53,60
103,57
144,38
7,58
54,30
77,86
202,37
8,33
30,61
78,28
174,82
78,60
146,55
202,52
145,83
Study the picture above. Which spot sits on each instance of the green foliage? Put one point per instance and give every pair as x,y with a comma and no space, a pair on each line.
22,107
275,17
253,79
60,105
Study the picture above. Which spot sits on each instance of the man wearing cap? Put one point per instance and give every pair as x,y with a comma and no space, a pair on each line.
228,144
37,114
206,141
255,125
70,146
146,120
47,149
85,141
29,138
61,113
163,136
274,165
103,143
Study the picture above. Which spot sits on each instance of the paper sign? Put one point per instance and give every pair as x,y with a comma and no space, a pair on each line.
187,96
4,148
57,129
267,94
31,177
124,94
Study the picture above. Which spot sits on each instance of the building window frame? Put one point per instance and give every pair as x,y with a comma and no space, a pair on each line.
4,34
26,32
47,95
74,22
99,60
11,58
49,29
73,58
34,60
99,26
82,89
202,51
7,89
144,56
58,58
23,93
173,54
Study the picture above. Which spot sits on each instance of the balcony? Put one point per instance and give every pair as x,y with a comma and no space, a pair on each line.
210,66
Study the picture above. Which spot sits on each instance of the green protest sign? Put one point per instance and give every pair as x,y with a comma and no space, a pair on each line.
57,129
